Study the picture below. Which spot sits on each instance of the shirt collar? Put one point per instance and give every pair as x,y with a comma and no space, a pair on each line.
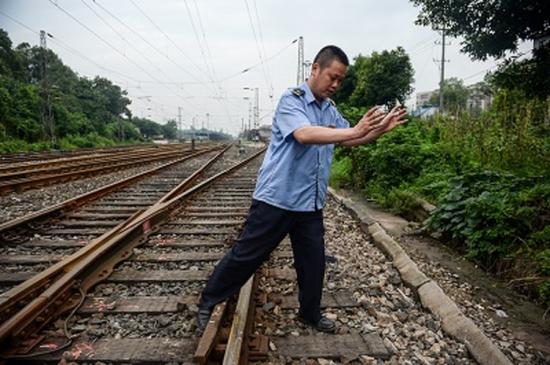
310,98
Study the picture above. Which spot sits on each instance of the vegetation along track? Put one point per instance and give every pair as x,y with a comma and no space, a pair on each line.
23,176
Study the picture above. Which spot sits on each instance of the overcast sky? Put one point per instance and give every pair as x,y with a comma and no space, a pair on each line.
191,53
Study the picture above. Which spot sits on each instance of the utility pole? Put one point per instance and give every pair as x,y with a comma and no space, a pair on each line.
442,80
254,113
208,125
47,116
249,116
442,69
256,108
307,65
180,130
300,78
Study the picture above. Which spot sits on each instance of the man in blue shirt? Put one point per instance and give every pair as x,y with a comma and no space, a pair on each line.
291,188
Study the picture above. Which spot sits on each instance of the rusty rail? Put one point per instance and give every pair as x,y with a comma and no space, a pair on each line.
29,157
13,169
235,347
87,266
24,184
58,210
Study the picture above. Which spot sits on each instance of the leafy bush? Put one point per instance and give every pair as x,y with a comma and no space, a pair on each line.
340,173
402,202
481,172
498,220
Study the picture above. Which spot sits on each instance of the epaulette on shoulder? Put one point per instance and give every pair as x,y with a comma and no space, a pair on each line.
331,102
297,91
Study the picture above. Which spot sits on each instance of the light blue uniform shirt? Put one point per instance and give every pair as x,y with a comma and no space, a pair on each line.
294,176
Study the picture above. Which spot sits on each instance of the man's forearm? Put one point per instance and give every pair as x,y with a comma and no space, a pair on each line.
371,136
323,135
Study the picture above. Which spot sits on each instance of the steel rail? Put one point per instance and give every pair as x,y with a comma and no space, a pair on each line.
22,292
17,185
52,162
14,171
27,157
58,210
88,268
236,350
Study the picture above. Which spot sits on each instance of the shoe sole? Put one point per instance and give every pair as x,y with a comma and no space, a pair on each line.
314,326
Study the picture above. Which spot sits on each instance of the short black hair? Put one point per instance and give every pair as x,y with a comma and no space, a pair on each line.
328,54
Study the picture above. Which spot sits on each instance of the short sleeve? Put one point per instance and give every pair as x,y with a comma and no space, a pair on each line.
341,122
290,115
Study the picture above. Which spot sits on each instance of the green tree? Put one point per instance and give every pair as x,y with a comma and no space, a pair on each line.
170,130
491,29
380,78
350,81
529,75
147,128
455,95
86,112
10,62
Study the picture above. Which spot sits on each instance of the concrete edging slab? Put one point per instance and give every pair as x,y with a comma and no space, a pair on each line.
432,297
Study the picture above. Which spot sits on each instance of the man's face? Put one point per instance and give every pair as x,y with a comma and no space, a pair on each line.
324,82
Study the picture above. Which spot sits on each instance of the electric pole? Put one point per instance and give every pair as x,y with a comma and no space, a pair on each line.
256,108
47,116
249,116
442,80
442,69
307,65
180,130
300,78
208,125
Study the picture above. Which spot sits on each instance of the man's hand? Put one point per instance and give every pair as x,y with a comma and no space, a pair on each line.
378,124
370,121
393,119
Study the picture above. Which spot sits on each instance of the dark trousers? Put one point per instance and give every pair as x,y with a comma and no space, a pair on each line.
264,229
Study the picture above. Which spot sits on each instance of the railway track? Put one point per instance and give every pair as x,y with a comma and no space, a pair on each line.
63,228
23,157
191,223
44,259
23,176
130,295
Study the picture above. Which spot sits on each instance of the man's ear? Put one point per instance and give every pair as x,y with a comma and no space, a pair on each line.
315,68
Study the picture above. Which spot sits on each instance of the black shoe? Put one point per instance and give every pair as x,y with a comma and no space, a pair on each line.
324,324
203,316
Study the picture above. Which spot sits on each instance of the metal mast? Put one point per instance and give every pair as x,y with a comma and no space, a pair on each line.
47,115
256,108
442,79
301,75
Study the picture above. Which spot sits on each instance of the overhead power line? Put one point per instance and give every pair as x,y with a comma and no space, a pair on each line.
155,66
77,53
104,40
212,78
70,49
166,36
137,34
258,47
262,44
495,66
205,40
209,58
261,62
